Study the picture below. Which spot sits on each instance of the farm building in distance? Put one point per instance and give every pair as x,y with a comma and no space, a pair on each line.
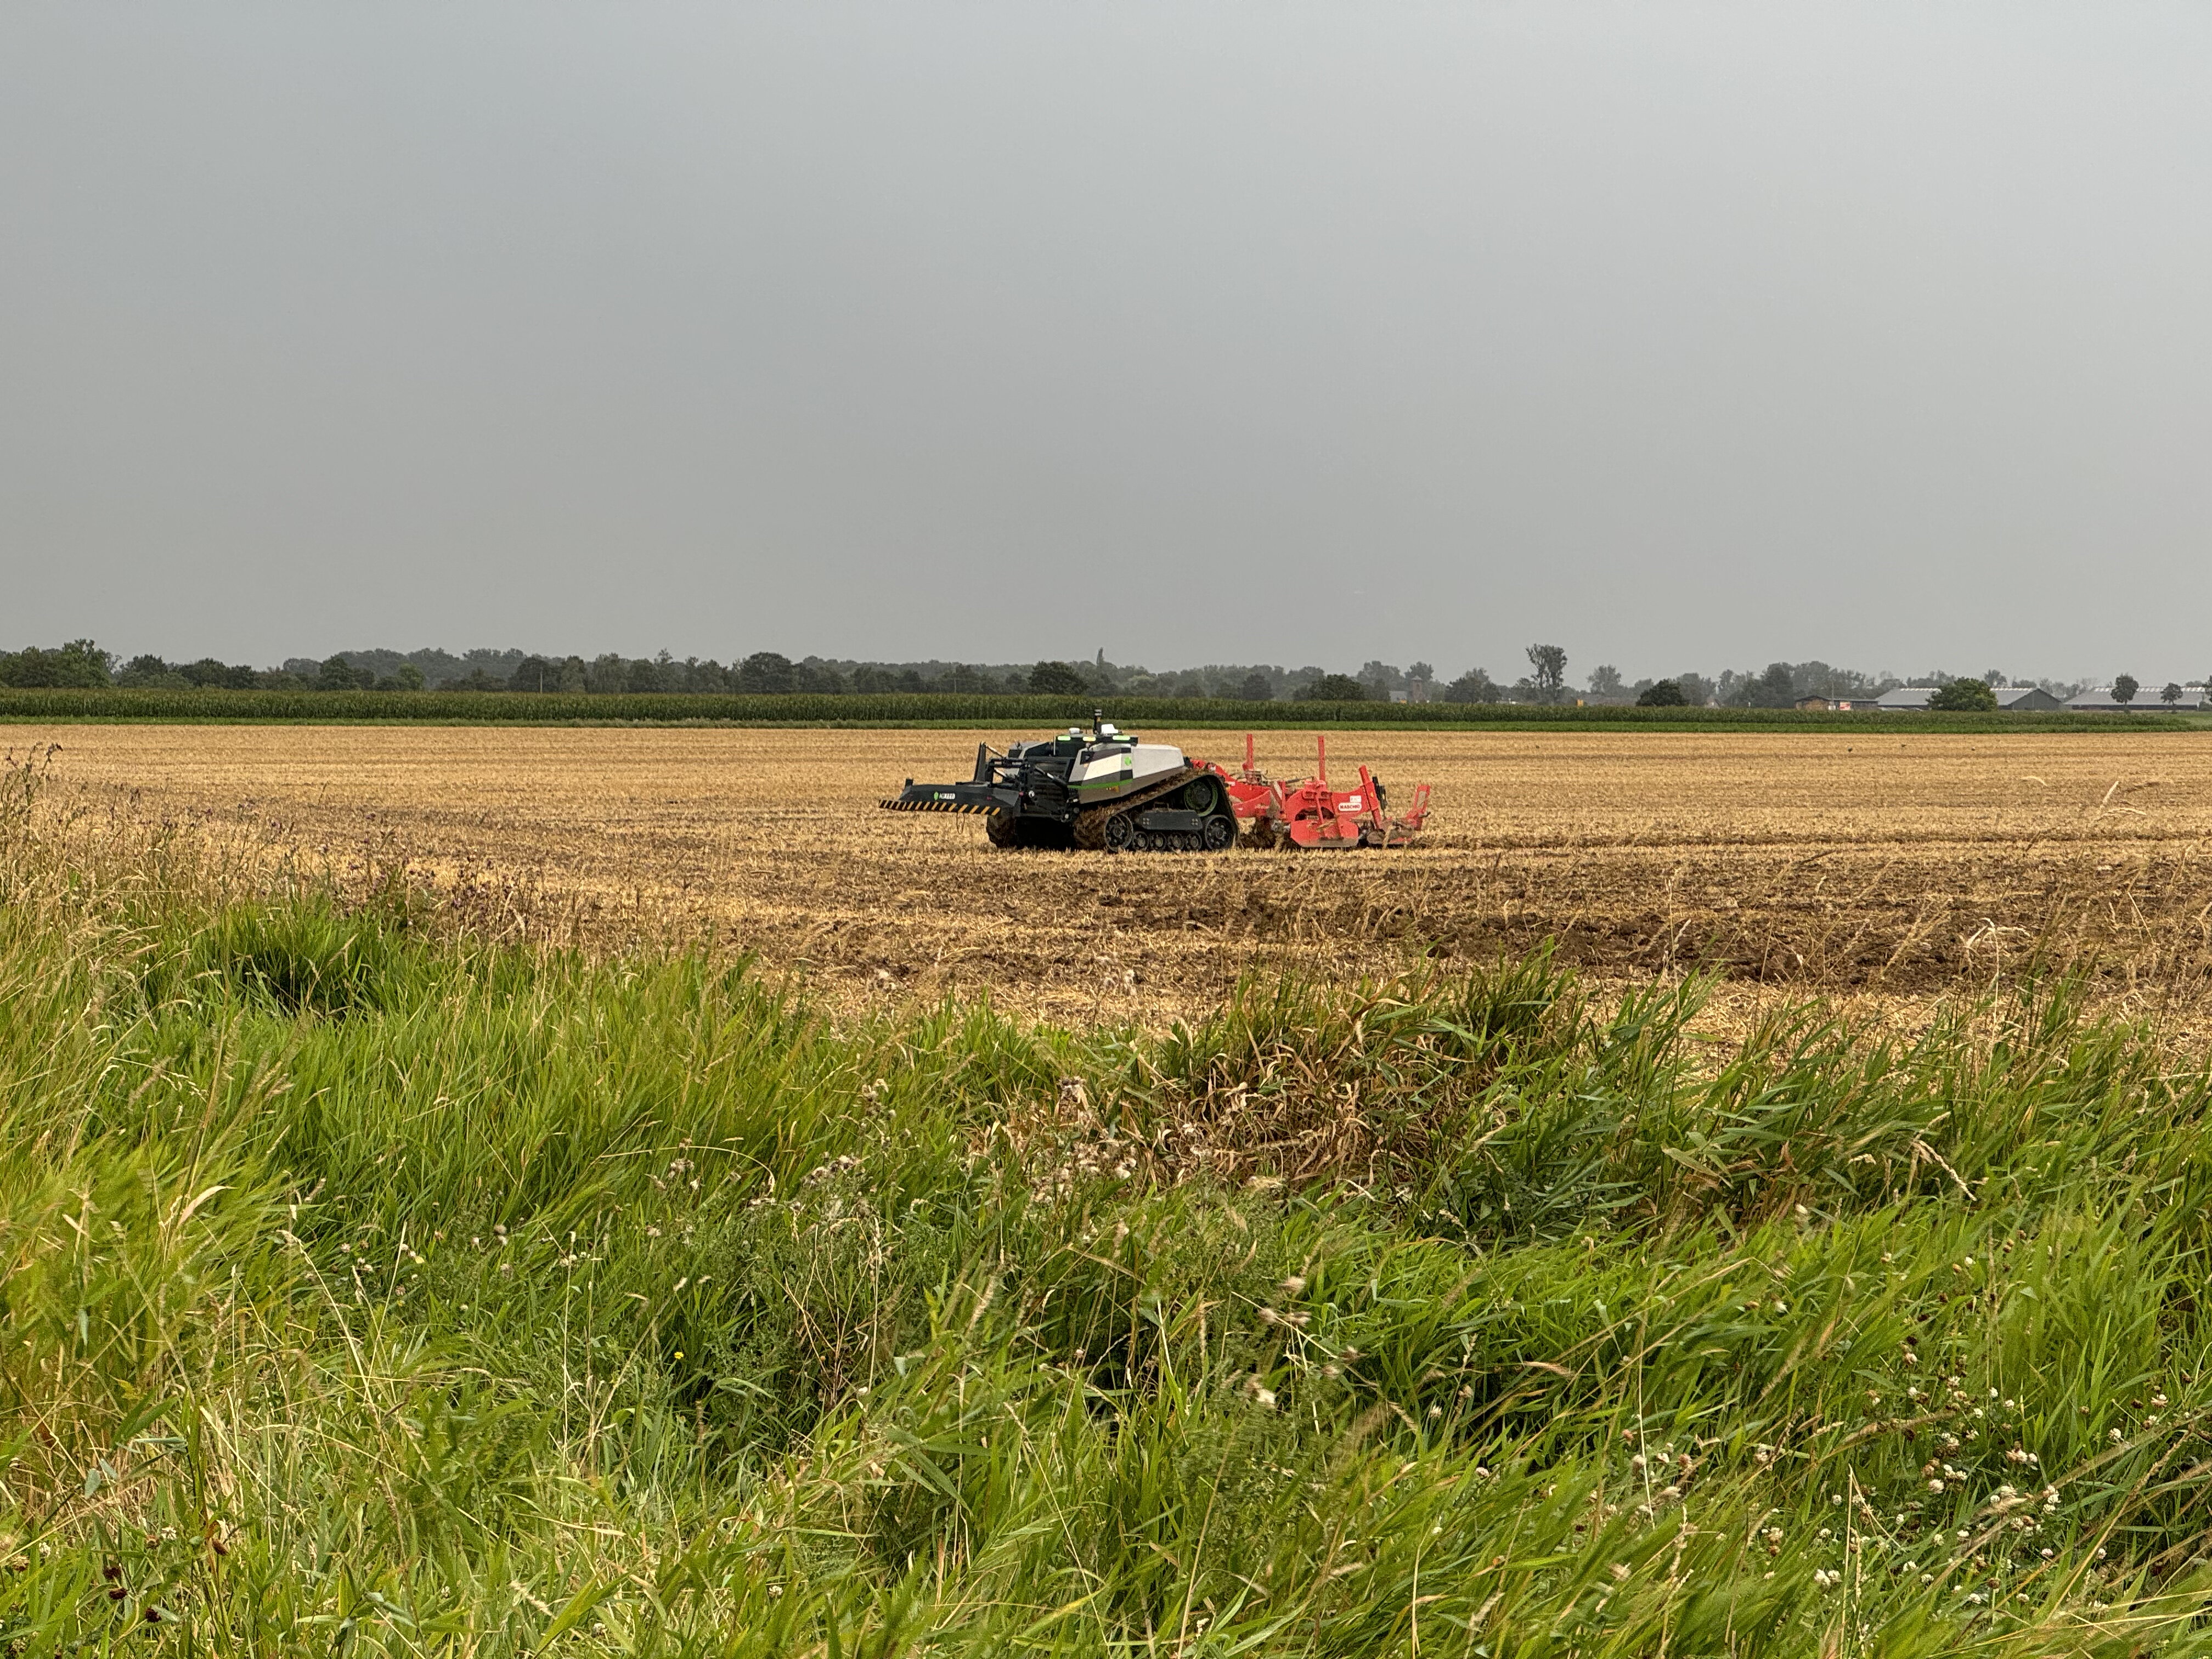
2099,700
2012,698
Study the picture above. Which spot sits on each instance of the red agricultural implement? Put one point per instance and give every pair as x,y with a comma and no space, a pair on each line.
1313,812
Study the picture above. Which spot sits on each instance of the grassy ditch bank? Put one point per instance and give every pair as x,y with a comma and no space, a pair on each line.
372,1288
493,708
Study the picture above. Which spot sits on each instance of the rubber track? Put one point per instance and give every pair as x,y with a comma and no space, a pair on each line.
1091,824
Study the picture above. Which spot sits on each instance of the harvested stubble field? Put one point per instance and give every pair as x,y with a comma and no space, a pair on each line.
1846,864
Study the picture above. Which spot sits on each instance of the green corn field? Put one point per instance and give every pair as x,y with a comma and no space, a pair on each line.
954,708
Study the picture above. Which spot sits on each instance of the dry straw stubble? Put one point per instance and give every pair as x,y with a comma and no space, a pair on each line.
1847,863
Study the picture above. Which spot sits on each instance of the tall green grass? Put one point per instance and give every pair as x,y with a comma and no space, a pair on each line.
948,708
371,1289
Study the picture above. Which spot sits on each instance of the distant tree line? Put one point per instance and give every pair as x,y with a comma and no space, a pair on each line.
82,664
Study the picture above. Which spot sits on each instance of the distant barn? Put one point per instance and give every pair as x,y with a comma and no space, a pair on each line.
2011,700
2099,700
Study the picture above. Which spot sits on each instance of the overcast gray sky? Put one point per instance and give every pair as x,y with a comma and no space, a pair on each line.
1684,336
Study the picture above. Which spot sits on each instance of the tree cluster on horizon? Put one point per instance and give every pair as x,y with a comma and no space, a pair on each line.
83,664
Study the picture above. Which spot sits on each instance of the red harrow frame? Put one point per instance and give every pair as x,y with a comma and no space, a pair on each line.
1309,812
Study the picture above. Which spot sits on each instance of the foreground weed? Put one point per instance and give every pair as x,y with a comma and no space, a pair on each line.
371,1290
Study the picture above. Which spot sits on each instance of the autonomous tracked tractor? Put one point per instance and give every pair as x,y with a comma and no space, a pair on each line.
1103,791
